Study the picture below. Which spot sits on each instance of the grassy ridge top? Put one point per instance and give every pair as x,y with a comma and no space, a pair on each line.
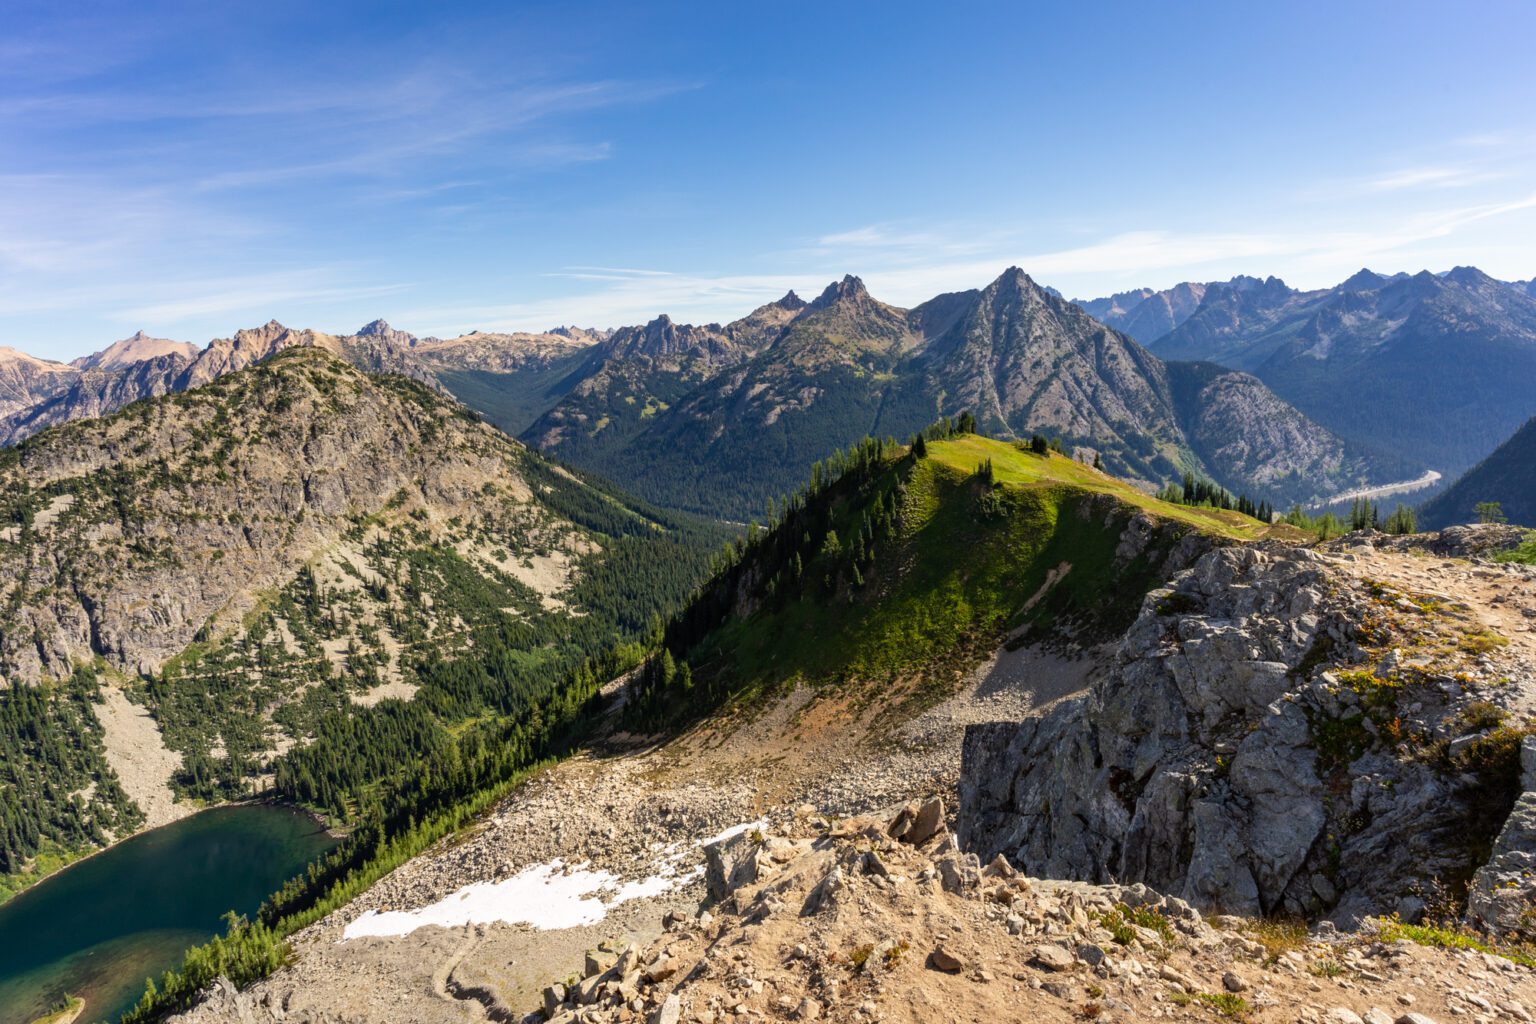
1013,467
907,570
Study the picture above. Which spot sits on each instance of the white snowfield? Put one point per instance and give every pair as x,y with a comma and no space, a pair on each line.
546,896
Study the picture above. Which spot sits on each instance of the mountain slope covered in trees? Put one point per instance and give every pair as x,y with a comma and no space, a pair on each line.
300,557
896,566
1508,477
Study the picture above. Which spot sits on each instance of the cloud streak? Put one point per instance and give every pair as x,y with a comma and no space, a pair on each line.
1432,177
1159,258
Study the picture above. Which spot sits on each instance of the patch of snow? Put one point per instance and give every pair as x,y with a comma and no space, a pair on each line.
546,896
734,831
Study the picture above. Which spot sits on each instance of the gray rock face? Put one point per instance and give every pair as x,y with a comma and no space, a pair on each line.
182,510
1228,758
1504,889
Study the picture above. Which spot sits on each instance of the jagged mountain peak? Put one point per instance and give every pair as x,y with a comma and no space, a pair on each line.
380,332
267,331
1363,280
663,337
1015,281
790,301
1469,277
849,290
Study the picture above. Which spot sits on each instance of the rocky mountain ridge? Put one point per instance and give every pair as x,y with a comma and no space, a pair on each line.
732,431
1433,364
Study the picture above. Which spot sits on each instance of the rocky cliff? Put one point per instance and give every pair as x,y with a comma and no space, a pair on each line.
1283,731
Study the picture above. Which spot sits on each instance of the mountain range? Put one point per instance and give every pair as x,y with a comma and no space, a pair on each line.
1290,395
1433,367
721,419
322,568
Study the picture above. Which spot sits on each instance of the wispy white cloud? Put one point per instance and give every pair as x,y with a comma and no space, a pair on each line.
1307,258
1433,177
1486,140
897,243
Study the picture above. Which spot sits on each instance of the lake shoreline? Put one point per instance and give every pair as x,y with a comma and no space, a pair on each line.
106,923
330,830
68,1015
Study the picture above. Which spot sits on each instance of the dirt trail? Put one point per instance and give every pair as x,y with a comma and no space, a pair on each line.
1498,598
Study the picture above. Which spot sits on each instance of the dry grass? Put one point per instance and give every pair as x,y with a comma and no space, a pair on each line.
1277,935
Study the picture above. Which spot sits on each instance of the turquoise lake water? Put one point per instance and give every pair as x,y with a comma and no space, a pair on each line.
100,927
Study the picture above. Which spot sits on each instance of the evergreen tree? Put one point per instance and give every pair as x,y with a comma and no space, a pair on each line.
1402,521
1490,512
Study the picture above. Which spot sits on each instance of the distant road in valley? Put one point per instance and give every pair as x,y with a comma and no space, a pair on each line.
1429,479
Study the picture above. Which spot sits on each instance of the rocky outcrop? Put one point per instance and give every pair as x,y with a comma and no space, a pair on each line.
26,380
98,391
1503,891
1276,736
846,924
1474,540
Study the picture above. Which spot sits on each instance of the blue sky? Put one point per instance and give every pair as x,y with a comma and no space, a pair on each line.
190,169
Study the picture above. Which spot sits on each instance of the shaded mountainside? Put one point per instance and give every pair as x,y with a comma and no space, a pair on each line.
1508,476
1436,368
1147,315
262,560
638,373
1232,419
718,420
510,379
